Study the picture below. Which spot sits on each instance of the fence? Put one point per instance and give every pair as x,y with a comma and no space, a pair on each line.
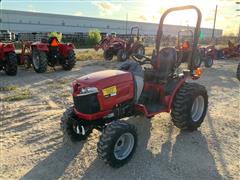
7,35
79,38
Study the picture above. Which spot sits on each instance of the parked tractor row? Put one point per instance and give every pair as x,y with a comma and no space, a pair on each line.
50,52
38,55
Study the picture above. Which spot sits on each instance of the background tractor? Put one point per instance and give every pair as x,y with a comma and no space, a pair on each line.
112,45
47,52
8,58
184,47
102,98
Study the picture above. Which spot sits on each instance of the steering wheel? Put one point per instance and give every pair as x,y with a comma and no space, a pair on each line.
146,60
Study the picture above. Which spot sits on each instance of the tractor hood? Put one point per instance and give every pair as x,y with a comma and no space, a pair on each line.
104,79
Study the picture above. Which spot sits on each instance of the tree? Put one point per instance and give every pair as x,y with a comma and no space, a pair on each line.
94,37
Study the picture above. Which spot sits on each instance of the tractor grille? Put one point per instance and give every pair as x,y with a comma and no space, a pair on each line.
86,104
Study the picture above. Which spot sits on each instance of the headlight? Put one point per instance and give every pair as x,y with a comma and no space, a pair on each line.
88,90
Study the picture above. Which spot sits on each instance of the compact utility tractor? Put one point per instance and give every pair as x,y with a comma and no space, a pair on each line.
112,45
47,52
103,98
184,48
8,58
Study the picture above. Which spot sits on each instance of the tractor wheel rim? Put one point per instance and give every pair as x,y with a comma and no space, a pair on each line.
197,108
124,146
36,61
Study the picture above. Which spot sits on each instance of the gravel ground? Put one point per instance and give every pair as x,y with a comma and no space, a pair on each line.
31,140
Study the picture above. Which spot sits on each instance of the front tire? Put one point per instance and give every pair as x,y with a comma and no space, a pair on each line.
208,62
122,55
70,61
117,143
69,127
39,60
108,55
11,64
189,106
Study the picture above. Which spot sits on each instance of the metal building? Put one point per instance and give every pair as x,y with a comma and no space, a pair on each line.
21,21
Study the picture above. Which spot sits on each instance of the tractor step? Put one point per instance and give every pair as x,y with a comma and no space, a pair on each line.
155,107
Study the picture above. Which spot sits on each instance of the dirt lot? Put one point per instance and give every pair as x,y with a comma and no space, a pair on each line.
31,140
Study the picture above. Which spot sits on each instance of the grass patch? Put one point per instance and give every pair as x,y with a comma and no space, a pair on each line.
98,55
8,88
149,50
89,55
18,95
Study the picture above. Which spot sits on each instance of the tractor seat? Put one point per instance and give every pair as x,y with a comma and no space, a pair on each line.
163,66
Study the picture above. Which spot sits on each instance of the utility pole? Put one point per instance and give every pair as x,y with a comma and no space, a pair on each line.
1,15
126,24
214,23
239,24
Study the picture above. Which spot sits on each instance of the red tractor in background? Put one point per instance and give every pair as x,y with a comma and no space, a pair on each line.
184,45
112,45
102,98
47,52
231,51
8,58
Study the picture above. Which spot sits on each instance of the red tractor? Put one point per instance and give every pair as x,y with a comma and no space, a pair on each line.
208,54
112,45
8,58
47,52
231,51
102,98
184,49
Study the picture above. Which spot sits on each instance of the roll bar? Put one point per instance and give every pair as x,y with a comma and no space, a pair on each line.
185,30
182,31
196,32
133,28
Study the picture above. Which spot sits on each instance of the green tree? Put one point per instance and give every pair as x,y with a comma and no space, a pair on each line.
94,37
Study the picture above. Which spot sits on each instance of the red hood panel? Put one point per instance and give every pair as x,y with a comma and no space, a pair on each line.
105,78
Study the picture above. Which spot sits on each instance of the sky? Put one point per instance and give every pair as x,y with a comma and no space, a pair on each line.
138,10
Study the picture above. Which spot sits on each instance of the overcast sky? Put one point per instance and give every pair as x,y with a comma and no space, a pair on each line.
137,10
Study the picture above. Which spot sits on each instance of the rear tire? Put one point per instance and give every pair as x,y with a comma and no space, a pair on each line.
70,61
108,55
189,106
117,143
39,60
68,123
197,61
122,55
238,72
27,62
208,62
11,64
